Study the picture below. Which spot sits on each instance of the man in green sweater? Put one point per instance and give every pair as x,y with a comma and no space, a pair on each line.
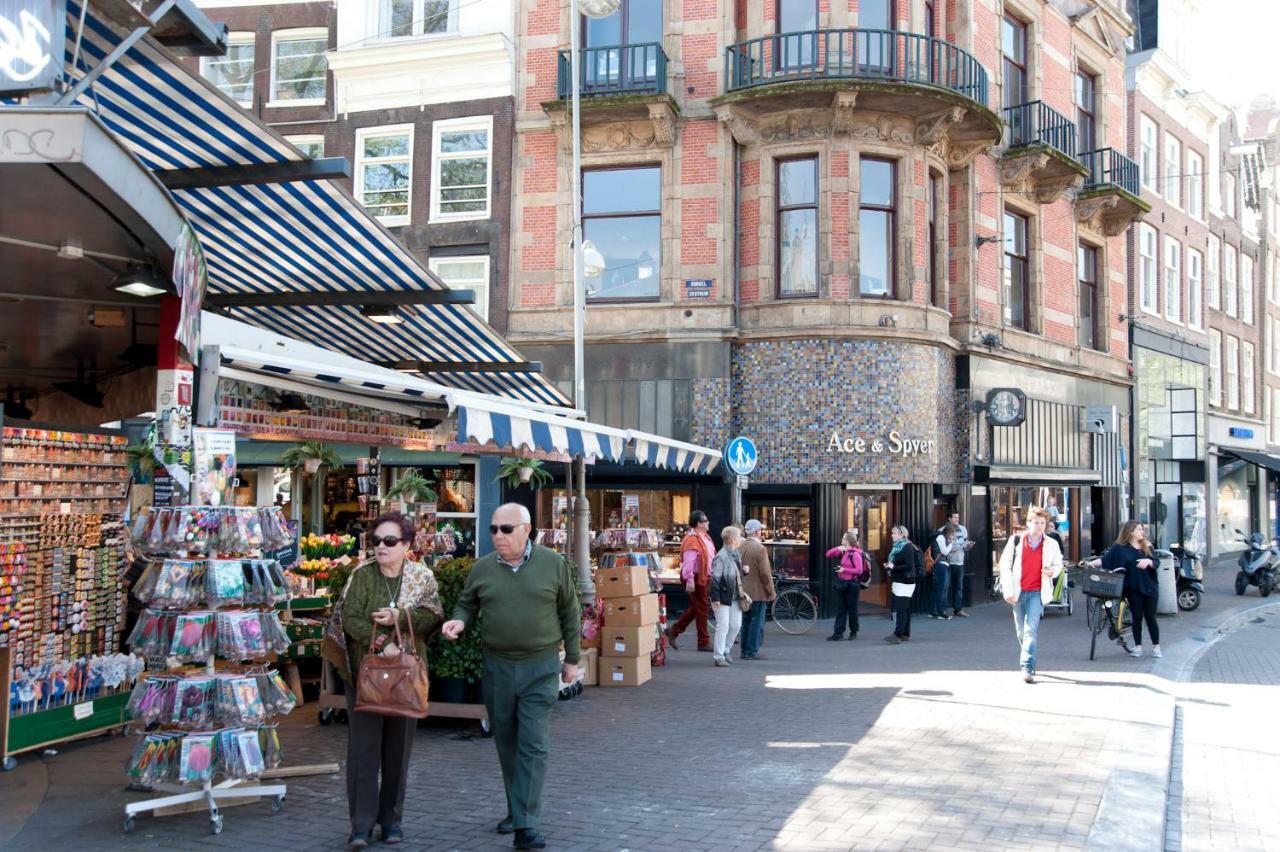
530,605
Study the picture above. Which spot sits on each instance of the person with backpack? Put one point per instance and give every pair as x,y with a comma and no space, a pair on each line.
1031,561
906,568
942,549
852,568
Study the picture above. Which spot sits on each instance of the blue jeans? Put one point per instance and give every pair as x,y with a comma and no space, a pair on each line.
957,587
938,603
1026,623
753,628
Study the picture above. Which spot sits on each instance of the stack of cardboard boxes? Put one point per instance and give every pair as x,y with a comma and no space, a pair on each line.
629,633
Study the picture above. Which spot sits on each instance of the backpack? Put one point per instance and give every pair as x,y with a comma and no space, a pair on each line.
931,555
860,563
922,564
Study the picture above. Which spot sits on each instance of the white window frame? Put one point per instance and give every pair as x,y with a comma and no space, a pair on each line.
1233,373
301,34
419,20
384,130
1195,289
1195,185
236,39
1247,377
1149,163
1148,280
1215,367
1230,191
1172,170
481,289
472,122
1213,274
1229,285
1275,415
1172,280
1269,346
1246,288
307,139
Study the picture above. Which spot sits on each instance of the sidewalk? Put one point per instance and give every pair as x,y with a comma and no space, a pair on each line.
851,745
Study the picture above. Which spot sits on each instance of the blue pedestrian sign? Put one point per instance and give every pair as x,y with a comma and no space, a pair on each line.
741,456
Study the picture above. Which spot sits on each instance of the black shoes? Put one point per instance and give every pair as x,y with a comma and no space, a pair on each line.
835,637
671,642
391,835
527,838
506,826
853,635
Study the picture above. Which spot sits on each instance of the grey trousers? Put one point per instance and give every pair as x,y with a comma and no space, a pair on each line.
519,698
376,743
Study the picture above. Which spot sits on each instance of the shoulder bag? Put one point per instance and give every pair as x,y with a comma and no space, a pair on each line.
395,685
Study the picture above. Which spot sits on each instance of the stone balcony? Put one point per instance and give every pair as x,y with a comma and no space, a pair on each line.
1108,202
1040,157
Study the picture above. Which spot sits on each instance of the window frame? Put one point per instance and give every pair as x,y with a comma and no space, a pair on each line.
1247,293
1149,148
1248,377
1213,273
1230,286
1086,113
1009,258
1215,367
1269,346
892,209
779,208
1172,179
297,34
1233,372
1148,269
235,39
933,269
1171,279
1087,261
362,133
628,214
1275,414
1195,185
1230,193
301,139
418,21
1195,289
482,291
438,128
1023,68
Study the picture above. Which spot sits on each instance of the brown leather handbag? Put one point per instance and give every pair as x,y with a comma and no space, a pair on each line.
393,686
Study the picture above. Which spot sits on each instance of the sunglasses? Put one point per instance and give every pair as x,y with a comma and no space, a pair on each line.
386,541
505,529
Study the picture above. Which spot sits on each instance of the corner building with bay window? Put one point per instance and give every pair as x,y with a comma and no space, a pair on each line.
839,228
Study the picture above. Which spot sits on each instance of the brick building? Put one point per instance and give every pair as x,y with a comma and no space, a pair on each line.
842,229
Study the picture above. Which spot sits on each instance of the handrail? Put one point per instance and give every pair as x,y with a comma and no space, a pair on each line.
622,69
854,54
1108,167
1038,123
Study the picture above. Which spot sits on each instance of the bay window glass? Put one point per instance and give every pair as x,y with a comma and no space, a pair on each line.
797,227
876,227
622,220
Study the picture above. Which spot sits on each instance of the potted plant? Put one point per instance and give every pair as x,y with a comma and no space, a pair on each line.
516,471
454,665
311,456
142,460
413,487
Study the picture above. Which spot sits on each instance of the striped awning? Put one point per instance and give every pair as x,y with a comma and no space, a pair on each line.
305,236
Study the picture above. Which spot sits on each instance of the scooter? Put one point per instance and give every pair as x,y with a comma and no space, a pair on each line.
1257,565
1190,577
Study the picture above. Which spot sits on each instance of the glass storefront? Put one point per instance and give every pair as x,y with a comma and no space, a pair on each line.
1237,481
873,514
1171,431
786,534
1009,507
665,510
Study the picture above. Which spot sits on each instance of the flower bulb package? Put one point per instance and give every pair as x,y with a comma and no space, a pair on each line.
198,530
192,637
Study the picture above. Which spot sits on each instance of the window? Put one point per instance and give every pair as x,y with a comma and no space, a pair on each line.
1195,184
1195,289
796,226
1091,336
635,22
384,171
461,168
1233,373
622,220
1017,272
402,18
1172,279
1246,377
937,292
311,145
298,67
877,226
1229,281
1275,416
1215,367
233,72
1269,346
1211,272
1148,154
930,19
1172,170
1246,289
466,272
800,18
1229,194
1014,46
1086,109
1149,295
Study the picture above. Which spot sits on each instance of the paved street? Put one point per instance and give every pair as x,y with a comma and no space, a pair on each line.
858,745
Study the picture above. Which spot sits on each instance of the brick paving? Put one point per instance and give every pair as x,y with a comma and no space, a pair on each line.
854,745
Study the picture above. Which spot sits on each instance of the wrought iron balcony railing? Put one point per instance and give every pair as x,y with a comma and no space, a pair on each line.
1108,167
855,54
1037,123
626,69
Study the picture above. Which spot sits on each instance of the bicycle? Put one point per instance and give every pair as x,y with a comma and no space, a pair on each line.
1107,608
794,610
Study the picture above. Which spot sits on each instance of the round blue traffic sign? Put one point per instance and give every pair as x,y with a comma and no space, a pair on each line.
741,456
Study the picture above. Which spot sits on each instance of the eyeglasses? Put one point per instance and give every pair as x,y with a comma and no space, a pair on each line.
505,529
387,541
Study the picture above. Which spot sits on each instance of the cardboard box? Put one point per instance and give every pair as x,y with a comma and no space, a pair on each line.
589,665
625,671
630,612
624,581
628,641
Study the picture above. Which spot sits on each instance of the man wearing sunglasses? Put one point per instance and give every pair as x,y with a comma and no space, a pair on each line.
529,602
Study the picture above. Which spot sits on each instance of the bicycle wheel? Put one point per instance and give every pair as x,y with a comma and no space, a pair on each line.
795,611
1094,617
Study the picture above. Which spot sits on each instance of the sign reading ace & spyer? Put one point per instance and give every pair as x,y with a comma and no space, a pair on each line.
894,444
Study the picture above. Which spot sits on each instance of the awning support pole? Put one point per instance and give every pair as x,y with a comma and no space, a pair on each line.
69,97
582,532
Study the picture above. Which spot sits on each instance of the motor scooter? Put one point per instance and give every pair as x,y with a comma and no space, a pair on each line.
1257,564
1190,577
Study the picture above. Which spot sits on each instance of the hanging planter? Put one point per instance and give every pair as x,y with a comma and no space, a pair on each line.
311,456
311,465
516,471
413,487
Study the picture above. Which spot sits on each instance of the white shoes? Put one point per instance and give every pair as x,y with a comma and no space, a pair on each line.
1155,652
1136,652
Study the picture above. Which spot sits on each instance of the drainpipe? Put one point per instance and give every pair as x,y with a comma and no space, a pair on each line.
737,231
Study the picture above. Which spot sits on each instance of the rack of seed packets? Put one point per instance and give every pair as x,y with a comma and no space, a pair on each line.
209,632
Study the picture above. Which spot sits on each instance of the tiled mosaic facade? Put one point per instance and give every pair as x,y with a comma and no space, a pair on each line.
791,396
709,416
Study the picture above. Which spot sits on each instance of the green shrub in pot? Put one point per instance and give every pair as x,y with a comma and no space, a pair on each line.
462,658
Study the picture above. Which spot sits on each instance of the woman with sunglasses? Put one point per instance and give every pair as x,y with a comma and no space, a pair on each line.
380,592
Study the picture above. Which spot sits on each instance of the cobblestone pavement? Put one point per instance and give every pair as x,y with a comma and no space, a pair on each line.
853,745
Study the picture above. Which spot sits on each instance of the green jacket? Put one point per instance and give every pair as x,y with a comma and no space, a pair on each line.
367,592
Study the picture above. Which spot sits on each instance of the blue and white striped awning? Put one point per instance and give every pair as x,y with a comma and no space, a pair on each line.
307,236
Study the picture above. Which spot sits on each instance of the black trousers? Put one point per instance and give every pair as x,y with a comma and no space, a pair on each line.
1143,608
902,616
376,745
846,606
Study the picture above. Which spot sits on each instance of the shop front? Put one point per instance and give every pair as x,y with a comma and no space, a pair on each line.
1240,487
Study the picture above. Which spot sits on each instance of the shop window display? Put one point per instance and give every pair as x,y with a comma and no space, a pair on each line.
623,508
872,514
786,534
1009,507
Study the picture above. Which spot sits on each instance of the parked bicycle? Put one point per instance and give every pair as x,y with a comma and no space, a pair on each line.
1106,609
794,610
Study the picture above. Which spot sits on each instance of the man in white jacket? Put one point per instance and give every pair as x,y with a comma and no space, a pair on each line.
1031,561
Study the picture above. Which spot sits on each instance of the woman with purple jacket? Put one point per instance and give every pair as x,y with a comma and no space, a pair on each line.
853,567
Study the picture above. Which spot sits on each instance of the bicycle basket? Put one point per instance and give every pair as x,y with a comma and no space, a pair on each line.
1102,584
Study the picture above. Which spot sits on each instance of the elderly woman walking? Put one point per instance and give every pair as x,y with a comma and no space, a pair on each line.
726,589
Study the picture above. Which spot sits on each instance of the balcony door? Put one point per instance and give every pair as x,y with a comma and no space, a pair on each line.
874,42
796,45
622,49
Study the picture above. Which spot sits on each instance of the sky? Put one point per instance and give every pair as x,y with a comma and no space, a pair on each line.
1235,51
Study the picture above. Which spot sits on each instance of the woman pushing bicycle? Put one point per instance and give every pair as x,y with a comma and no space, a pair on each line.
1132,554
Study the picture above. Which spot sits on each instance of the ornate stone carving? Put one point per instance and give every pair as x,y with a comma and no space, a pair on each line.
664,124
619,136
1017,171
962,154
934,129
563,128
35,143
842,113
1091,212
742,132
883,130
1050,194
795,126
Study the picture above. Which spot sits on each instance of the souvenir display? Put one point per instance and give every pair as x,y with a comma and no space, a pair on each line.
195,636
186,583
196,530
200,701
58,684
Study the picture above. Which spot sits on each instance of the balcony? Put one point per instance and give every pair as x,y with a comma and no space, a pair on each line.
623,91
1108,202
1040,158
